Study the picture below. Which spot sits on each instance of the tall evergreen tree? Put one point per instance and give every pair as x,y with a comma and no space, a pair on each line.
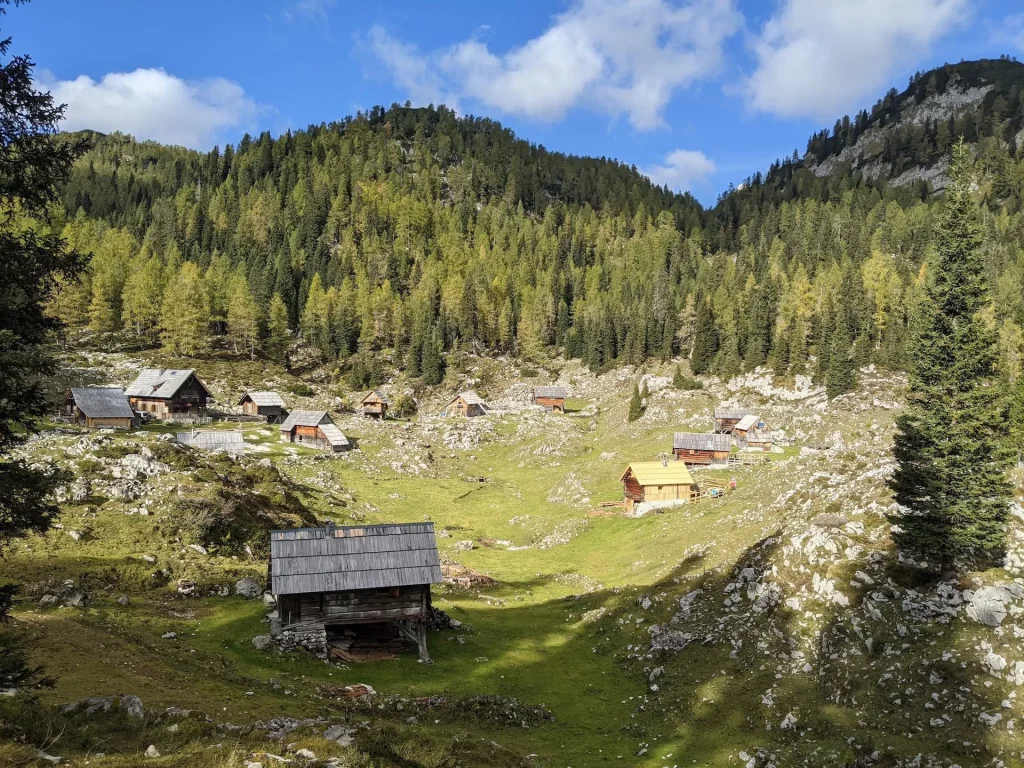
242,315
841,375
705,339
33,265
951,450
278,338
636,403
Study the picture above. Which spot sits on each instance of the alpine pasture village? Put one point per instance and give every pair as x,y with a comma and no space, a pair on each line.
514,547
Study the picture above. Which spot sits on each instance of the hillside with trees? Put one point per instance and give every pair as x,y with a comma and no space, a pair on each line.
416,232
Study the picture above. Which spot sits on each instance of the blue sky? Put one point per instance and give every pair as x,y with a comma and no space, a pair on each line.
696,93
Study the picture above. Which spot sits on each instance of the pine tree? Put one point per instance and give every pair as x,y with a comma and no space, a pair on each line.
278,335
951,451
185,315
636,405
705,339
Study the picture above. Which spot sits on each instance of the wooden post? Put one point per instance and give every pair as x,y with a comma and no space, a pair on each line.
417,632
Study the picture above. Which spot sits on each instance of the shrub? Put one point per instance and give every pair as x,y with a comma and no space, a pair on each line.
302,389
404,407
684,382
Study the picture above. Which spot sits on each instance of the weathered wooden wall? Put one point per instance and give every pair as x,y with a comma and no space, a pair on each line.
366,606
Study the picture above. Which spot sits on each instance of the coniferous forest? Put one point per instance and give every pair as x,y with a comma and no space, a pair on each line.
417,231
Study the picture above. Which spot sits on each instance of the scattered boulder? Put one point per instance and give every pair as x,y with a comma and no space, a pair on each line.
123,600
168,635
262,642
198,549
988,605
132,705
152,751
465,545
248,588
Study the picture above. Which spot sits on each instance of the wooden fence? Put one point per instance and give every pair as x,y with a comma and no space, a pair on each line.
188,418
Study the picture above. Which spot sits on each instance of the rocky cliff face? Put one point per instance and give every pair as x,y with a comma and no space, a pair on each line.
865,154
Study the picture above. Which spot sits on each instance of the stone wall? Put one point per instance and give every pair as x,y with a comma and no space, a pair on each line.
312,637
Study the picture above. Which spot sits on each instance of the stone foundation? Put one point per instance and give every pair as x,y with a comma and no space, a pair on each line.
312,638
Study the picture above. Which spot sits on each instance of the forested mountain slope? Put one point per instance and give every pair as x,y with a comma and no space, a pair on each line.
415,231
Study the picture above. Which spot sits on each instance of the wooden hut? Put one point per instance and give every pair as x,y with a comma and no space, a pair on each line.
338,577
269,405
315,429
657,481
552,398
466,404
726,418
751,433
375,405
100,407
215,441
701,448
166,392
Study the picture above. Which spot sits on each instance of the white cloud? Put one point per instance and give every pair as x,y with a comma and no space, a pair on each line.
682,170
817,59
1009,31
152,104
619,57
313,10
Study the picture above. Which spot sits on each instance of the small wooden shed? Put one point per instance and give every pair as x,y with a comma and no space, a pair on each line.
466,404
165,392
701,448
100,407
269,405
552,398
657,481
375,405
226,441
726,418
752,433
315,429
334,577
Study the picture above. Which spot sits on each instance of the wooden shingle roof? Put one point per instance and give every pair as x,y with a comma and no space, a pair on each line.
699,441
374,396
659,473
305,419
747,422
335,559
263,399
731,413
550,391
160,383
471,398
102,402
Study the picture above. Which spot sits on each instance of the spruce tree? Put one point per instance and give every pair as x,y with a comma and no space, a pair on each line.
636,405
841,375
951,450
278,337
705,339
432,360
34,263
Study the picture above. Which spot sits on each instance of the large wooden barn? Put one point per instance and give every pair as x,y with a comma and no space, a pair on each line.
100,407
329,579
466,404
726,418
701,448
375,405
657,481
269,405
166,392
315,429
752,433
551,398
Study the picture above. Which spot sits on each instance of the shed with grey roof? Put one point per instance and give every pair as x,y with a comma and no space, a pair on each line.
752,433
100,407
335,577
701,447
375,404
269,405
315,429
166,392
552,398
